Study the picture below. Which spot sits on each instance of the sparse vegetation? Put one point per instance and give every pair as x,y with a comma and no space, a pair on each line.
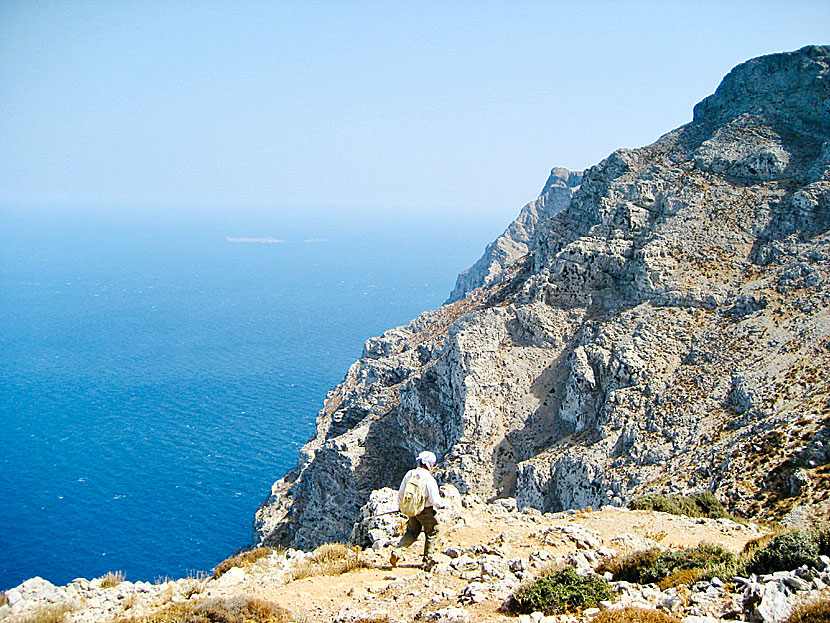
697,505
560,591
634,615
243,560
329,559
55,613
817,612
112,579
231,610
652,566
3,599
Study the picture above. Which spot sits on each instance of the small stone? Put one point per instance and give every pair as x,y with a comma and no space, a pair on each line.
454,552
234,575
797,583
13,596
591,612
450,615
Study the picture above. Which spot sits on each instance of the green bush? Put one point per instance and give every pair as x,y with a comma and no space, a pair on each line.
785,552
822,538
651,566
697,505
560,591
627,567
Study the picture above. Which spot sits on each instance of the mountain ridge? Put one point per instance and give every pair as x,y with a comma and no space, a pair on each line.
659,326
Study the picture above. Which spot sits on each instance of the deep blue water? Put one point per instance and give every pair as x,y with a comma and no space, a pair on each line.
155,378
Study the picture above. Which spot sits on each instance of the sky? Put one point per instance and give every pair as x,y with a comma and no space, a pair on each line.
352,106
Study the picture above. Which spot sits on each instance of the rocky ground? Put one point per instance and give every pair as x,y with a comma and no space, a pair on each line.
488,550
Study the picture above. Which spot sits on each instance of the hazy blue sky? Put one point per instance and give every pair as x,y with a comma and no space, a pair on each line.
387,105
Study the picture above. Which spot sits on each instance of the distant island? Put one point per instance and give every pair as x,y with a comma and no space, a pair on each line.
259,240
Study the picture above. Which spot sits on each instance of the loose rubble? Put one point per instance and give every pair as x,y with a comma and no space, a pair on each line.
488,550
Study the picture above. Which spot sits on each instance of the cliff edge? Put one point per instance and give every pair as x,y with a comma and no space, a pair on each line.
657,323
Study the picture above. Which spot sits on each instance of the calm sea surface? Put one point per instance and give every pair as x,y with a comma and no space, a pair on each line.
156,378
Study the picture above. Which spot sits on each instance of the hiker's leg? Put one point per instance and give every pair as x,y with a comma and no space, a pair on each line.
430,525
413,529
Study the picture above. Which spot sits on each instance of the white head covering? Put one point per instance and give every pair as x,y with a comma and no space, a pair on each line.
427,458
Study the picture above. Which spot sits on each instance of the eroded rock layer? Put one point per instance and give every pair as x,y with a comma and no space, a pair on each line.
658,323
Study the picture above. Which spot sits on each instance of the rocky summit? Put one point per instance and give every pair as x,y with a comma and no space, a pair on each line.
656,323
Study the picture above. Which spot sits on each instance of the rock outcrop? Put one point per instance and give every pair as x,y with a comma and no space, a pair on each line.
506,251
658,323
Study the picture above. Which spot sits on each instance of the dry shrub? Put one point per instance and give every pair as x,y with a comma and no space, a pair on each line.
329,552
111,580
55,613
329,559
816,612
3,599
656,535
628,567
683,576
753,545
243,560
634,615
218,610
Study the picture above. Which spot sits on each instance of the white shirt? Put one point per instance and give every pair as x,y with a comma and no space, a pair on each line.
433,495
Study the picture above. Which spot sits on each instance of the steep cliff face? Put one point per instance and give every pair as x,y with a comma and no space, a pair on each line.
513,245
659,323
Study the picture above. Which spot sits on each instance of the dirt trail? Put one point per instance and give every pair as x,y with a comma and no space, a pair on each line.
405,591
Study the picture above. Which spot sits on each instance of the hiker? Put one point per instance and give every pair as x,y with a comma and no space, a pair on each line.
418,502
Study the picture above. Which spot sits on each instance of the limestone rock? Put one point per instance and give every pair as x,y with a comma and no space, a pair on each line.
656,323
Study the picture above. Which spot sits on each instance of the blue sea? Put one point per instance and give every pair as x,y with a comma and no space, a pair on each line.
157,377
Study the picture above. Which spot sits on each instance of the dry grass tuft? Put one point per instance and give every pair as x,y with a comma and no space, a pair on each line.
111,580
47,614
230,610
816,612
683,576
3,599
634,615
243,560
329,559
329,552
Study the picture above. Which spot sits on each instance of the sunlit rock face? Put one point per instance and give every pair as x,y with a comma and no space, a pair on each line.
658,322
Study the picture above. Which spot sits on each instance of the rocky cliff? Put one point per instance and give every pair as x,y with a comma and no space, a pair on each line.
658,323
